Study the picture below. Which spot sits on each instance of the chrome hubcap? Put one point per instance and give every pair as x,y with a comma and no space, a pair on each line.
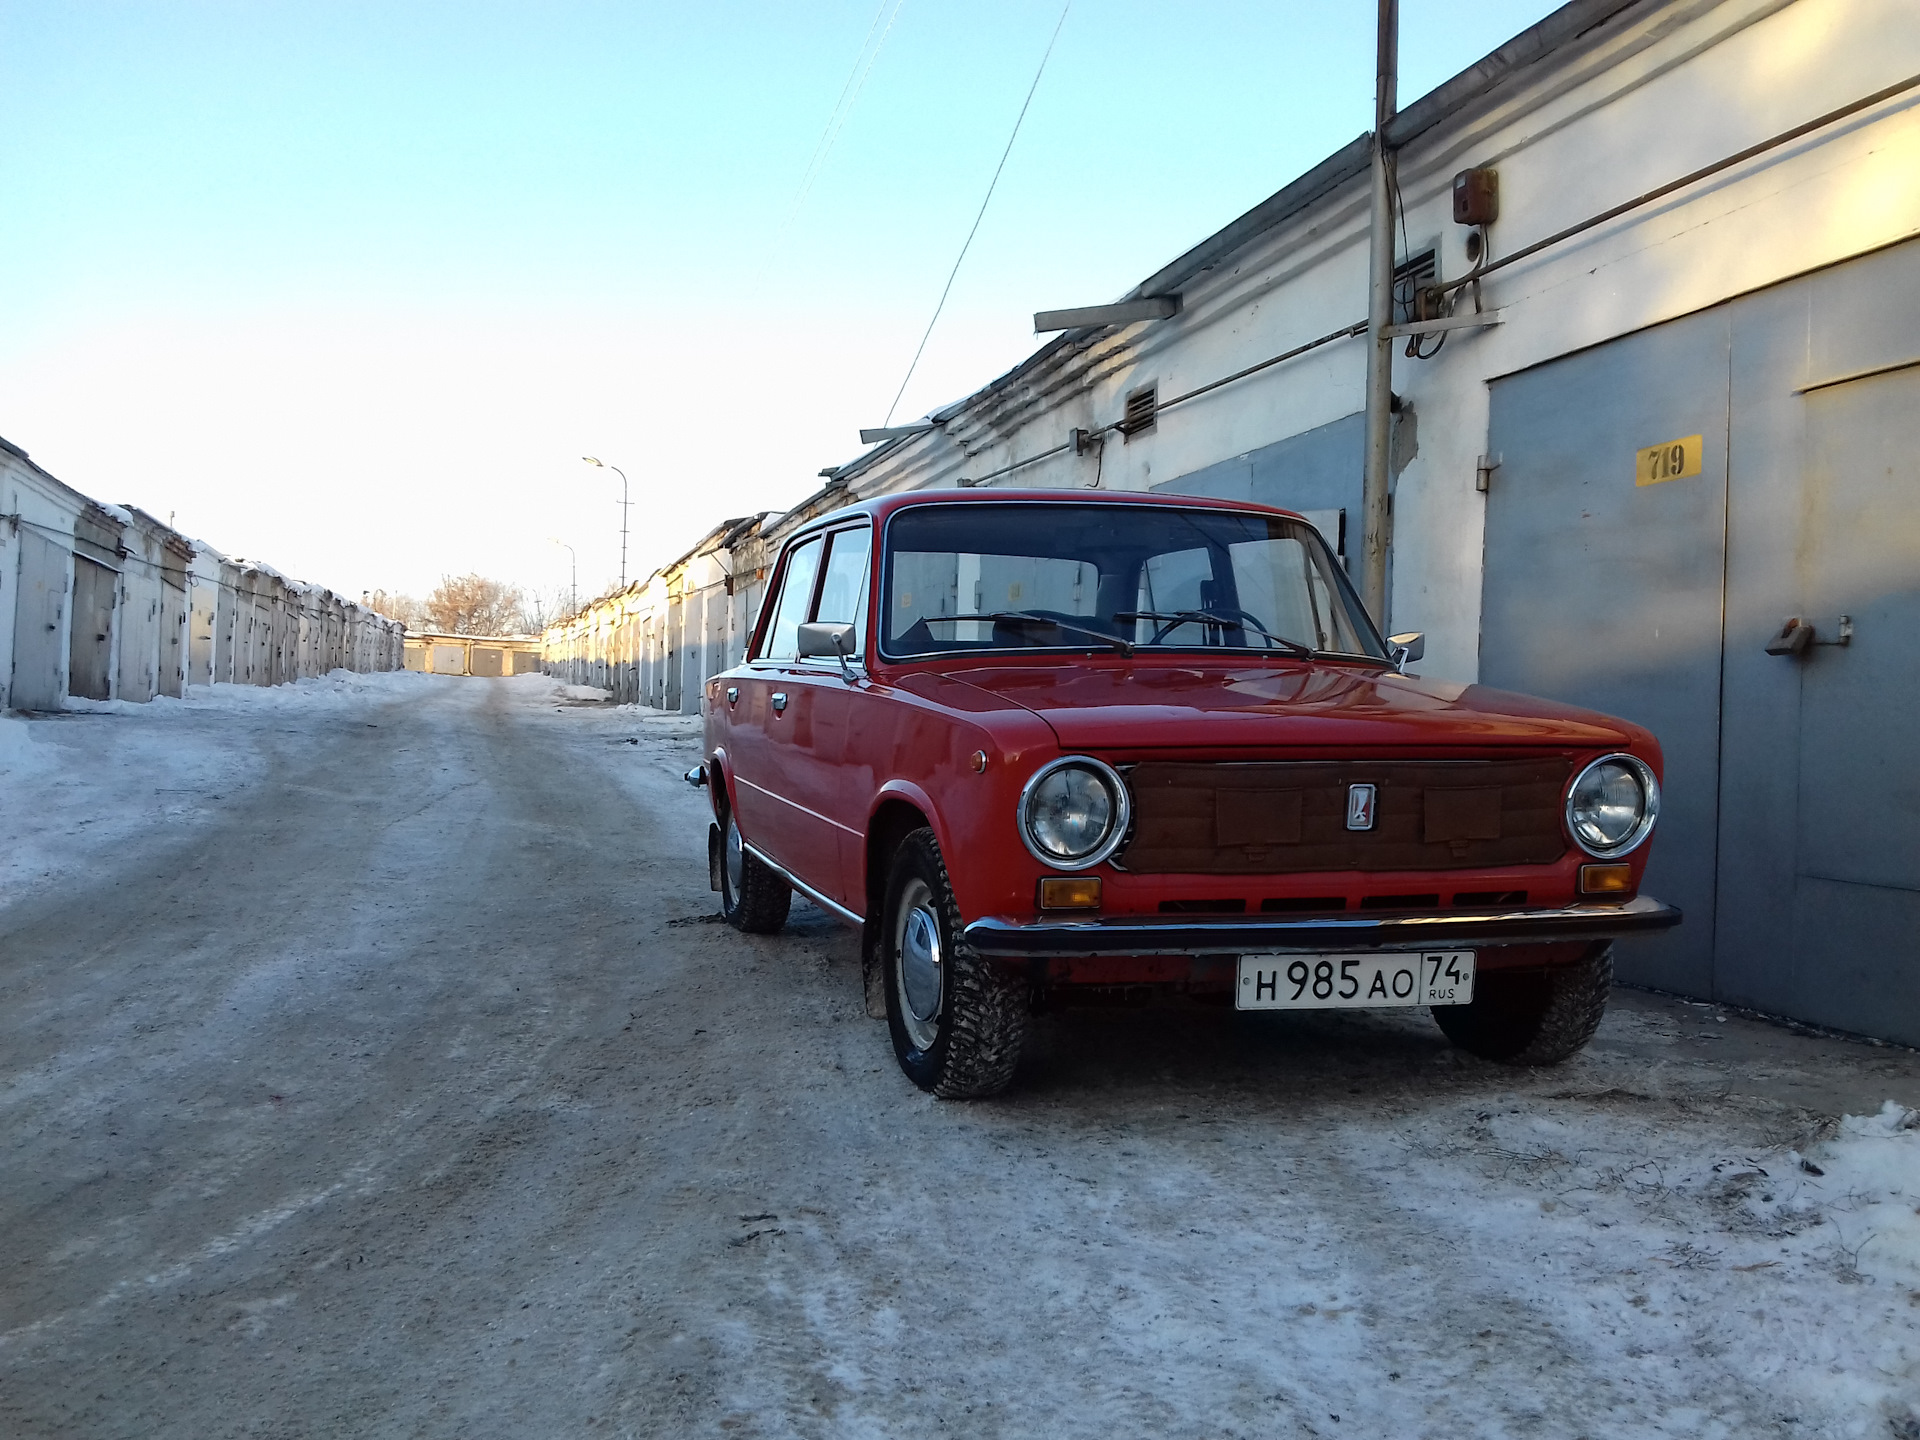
735,860
920,960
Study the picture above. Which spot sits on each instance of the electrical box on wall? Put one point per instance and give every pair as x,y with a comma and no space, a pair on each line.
1476,197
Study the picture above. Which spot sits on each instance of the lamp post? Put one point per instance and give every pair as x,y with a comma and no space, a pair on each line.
592,460
574,590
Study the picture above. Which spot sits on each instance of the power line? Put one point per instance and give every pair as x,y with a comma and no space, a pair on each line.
863,63
983,211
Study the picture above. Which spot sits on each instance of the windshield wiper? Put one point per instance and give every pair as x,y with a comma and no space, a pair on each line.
1207,617
1125,647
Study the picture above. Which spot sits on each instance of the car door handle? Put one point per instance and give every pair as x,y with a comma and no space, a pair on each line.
779,700
733,693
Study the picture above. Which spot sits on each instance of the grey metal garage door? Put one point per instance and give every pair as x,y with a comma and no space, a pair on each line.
1317,473
1855,951
1607,593
90,655
1792,826
40,624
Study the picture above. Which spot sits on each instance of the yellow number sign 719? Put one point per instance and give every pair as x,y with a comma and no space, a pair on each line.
1672,461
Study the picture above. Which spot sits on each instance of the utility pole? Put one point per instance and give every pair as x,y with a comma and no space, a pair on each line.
623,513
1378,471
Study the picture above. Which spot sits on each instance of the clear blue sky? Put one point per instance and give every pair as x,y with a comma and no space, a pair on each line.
350,287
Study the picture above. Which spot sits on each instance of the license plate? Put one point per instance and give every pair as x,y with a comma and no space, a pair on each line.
1354,982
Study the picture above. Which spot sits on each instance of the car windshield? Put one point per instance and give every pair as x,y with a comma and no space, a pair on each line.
1033,575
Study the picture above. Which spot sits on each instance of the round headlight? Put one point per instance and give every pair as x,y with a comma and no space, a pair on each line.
1612,805
1073,813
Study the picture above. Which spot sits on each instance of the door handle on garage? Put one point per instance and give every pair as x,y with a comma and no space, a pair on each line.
779,700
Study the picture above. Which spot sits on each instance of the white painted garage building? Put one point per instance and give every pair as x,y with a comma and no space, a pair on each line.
105,602
1638,451
1688,424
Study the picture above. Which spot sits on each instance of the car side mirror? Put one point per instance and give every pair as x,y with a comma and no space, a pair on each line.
1406,648
826,637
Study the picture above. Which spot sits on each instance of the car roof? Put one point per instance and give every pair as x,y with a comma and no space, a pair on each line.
881,506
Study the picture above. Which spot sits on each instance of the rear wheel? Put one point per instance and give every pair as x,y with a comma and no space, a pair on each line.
957,1021
1532,1017
752,897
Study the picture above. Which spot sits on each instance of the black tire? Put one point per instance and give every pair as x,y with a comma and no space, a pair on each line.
1533,1017
752,897
960,1033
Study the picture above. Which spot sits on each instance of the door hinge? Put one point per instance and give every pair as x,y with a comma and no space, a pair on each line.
1483,472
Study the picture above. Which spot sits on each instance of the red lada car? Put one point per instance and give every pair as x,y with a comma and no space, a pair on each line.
1036,741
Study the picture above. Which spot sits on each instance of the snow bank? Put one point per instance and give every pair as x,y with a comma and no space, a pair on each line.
335,687
1870,1189
1620,1235
20,757
110,777
333,690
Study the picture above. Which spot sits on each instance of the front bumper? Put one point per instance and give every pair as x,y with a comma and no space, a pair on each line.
1316,935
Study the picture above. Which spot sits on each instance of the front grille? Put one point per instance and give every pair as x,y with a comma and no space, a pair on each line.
1203,907
1287,817
1302,904
1491,897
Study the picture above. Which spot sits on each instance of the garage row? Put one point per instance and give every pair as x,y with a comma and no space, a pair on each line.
104,602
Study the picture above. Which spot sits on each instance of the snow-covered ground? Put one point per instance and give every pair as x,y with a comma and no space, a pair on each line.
369,1065
75,785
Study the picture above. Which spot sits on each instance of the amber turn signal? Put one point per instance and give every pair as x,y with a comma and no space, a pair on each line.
1070,892
1606,879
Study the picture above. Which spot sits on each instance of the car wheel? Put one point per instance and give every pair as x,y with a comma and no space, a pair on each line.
1532,1017
752,897
958,1022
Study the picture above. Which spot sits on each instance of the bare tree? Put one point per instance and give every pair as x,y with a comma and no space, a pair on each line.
474,605
395,606
540,608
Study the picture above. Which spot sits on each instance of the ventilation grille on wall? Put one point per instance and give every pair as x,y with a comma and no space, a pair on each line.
1410,277
1143,409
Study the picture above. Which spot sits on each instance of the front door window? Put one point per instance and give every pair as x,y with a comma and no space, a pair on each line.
843,592
796,594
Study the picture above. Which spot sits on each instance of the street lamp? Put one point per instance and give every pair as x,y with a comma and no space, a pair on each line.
555,540
592,460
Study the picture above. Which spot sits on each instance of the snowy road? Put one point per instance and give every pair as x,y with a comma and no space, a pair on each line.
378,1072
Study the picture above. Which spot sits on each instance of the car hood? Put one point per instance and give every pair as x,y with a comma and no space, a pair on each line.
1130,707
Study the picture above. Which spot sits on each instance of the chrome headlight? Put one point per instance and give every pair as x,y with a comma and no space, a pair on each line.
1612,805
1073,813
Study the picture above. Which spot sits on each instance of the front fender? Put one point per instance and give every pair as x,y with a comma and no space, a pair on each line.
719,781
916,796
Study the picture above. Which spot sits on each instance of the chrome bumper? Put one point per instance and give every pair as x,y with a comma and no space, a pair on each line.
1268,934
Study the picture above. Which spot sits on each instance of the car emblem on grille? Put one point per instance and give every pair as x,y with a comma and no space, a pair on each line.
1360,807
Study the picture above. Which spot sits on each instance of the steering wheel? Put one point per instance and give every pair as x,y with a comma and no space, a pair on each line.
1225,612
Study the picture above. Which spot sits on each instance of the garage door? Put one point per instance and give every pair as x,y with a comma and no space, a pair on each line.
90,652
40,623
1607,593
1791,833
